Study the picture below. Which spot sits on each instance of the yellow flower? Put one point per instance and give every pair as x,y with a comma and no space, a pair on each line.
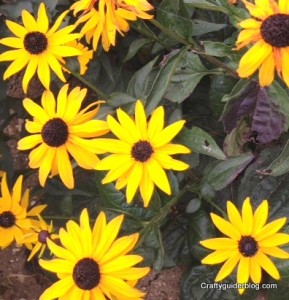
141,153
93,264
106,17
38,48
84,58
57,131
249,242
38,237
14,217
268,30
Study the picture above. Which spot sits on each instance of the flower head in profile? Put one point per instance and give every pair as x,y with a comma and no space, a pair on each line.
268,31
141,153
94,263
38,48
104,18
60,128
15,218
84,58
248,244
36,239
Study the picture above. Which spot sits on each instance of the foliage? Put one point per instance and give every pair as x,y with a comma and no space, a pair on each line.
184,59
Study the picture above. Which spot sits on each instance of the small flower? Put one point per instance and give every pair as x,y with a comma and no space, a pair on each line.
249,242
268,30
59,128
38,48
84,58
94,264
38,237
14,217
142,152
104,18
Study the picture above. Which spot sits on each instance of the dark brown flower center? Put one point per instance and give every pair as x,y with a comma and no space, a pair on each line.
55,132
275,30
248,246
42,236
86,274
35,42
142,151
7,219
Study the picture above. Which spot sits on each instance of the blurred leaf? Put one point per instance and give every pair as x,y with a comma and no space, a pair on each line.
174,16
200,228
201,27
135,46
139,85
226,171
175,239
200,141
6,159
236,139
13,11
186,76
118,99
206,4
193,205
280,165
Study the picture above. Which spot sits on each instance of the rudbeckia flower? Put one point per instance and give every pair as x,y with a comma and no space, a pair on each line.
94,264
15,219
103,18
84,58
141,152
59,129
248,244
36,239
37,47
268,30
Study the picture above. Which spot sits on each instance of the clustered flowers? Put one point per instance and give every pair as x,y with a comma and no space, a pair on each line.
93,262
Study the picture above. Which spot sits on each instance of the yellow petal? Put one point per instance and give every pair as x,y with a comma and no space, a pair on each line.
247,216
253,58
228,266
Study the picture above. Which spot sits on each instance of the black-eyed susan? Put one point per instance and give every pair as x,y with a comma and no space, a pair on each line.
249,242
14,217
94,264
36,239
37,47
141,152
84,58
268,30
104,18
60,128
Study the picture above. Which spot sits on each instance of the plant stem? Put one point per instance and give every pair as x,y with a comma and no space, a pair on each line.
195,48
88,84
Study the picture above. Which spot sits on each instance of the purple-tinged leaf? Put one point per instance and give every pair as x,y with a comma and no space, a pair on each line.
268,109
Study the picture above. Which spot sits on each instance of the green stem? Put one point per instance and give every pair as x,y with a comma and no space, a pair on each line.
88,84
195,48
160,217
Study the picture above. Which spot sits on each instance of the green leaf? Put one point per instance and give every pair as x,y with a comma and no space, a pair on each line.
13,11
139,83
175,17
200,141
226,171
280,165
200,228
201,27
118,99
206,4
186,76
135,46
162,81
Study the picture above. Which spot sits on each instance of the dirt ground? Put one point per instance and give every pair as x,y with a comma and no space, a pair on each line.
20,280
